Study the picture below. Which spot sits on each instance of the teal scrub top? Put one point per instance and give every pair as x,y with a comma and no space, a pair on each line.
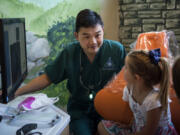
85,79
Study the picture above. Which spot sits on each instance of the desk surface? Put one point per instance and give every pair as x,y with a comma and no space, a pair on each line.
42,117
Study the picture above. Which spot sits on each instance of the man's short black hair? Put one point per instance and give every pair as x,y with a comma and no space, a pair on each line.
176,76
87,18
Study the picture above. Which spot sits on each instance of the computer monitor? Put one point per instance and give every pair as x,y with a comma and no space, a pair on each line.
13,59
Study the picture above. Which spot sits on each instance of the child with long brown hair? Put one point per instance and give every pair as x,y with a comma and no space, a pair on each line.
149,104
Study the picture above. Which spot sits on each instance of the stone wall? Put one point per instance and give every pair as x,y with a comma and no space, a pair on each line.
138,16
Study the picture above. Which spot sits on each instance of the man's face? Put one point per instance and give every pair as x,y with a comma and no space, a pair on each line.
90,39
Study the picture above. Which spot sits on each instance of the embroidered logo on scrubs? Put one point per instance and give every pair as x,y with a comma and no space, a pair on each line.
109,64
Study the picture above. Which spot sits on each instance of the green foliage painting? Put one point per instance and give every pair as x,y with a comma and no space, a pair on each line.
39,18
57,36
52,20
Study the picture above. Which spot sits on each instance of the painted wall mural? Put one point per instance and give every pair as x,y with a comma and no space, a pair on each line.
49,26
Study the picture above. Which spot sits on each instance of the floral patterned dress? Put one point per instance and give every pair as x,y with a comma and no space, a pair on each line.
150,102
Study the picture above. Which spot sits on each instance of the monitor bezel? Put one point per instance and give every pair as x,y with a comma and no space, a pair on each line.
5,96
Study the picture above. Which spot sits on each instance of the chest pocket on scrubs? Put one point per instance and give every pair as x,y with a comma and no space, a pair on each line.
108,73
109,69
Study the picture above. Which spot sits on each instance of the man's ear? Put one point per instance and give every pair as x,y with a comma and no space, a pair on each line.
76,35
103,30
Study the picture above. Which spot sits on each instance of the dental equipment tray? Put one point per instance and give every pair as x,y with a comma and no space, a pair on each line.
48,120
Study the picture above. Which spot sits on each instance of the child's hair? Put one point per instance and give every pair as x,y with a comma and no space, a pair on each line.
141,64
176,76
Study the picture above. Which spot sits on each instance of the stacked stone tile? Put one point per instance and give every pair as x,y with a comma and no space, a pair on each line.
138,16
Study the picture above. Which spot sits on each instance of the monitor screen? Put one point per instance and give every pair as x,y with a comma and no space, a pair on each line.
13,61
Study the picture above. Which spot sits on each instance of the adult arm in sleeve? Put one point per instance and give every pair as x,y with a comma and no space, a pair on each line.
35,84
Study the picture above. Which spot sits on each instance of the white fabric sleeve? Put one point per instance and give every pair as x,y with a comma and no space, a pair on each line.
126,94
152,102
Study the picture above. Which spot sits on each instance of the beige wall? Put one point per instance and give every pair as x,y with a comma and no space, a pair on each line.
110,16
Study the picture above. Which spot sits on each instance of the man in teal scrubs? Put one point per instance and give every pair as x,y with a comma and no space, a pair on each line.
88,65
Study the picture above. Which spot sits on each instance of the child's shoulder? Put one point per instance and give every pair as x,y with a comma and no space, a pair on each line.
152,101
153,94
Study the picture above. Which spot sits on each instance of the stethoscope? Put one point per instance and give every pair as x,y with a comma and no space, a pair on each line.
90,88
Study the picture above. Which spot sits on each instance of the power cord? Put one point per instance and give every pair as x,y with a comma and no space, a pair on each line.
26,130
